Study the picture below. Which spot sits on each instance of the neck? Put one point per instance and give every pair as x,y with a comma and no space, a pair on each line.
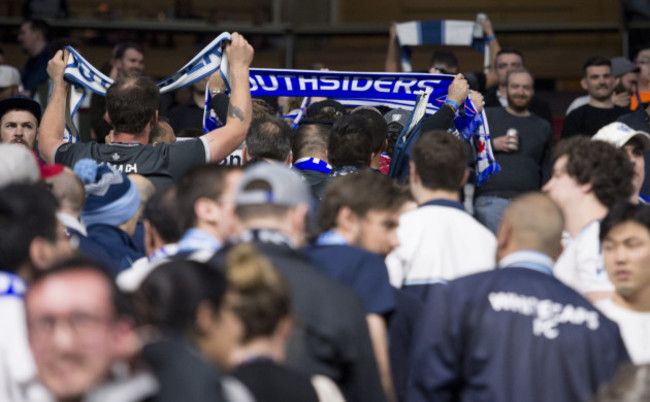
522,113
261,347
502,90
601,104
424,195
211,229
580,214
38,47
317,155
639,302
644,84
141,138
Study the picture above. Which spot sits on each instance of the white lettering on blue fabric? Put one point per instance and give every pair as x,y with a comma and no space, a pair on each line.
548,314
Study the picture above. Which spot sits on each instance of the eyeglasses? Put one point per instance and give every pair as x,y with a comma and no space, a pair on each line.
81,324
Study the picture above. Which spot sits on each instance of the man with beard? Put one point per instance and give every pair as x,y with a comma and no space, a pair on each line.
599,82
19,120
522,143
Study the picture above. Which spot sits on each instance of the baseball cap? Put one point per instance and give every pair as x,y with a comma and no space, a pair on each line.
622,66
618,134
285,187
9,76
20,102
399,116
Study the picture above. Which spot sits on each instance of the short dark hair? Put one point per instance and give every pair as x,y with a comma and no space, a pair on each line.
122,47
118,300
161,212
361,193
269,137
40,25
27,211
624,211
440,159
202,181
131,102
170,295
595,61
379,127
309,139
444,56
509,50
350,142
607,168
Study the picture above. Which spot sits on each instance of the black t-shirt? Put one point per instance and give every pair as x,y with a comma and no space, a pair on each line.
161,164
527,168
587,120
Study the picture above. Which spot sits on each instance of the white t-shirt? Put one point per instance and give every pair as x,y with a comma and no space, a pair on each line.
635,329
439,243
580,265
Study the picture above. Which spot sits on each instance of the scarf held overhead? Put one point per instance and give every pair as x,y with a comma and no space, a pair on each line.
396,89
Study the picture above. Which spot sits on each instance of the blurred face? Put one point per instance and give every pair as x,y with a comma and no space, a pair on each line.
378,231
19,127
519,91
627,83
626,254
634,151
599,82
27,37
132,63
643,62
562,188
227,202
224,333
71,331
506,63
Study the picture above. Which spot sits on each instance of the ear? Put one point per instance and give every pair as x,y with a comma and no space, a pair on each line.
108,119
298,222
41,253
149,237
204,317
583,84
413,172
503,235
289,160
205,209
586,188
463,181
244,154
384,146
283,328
347,220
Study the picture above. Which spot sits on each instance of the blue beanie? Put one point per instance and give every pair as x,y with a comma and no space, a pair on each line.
111,197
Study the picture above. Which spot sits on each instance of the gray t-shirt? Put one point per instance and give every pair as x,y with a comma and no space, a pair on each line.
162,164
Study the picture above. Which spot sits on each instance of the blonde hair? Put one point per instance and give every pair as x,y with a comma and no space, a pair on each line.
264,295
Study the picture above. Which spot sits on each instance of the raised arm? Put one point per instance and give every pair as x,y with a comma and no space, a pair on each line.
393,62
52,127
491,76
223,141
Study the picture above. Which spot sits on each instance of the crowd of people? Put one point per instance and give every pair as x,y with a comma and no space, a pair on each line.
147,265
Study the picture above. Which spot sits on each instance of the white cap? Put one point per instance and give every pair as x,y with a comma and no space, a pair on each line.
618,134
9,76
17,165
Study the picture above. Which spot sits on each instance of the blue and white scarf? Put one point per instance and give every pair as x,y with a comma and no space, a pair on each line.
84,76
352,88
445,32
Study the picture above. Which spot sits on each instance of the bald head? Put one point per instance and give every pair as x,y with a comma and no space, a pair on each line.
531,222
69,191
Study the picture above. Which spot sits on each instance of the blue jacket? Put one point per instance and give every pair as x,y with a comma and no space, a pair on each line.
514,334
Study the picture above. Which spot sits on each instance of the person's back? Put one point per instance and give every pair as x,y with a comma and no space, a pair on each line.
515,333
435,238
330,336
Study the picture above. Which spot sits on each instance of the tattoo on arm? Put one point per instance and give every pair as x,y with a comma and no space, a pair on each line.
234,111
